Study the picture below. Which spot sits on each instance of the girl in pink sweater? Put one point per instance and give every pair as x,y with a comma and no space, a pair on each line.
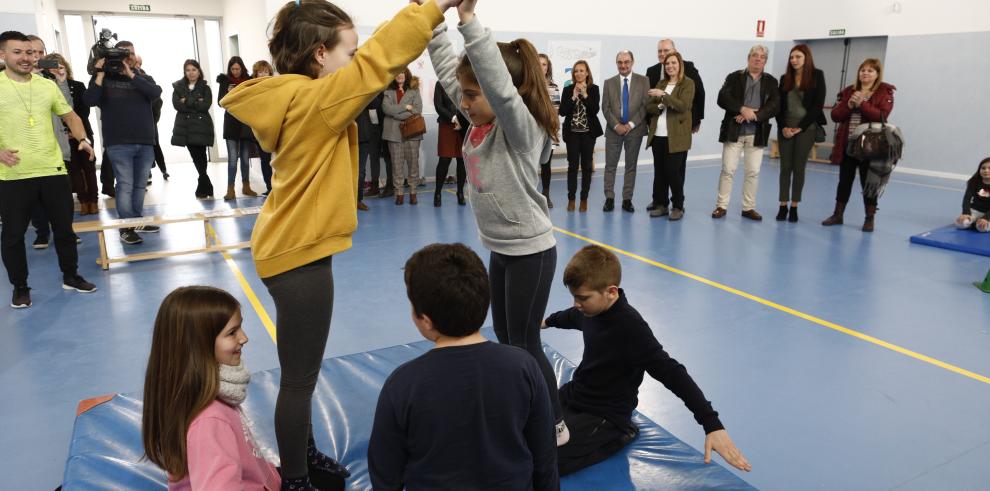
192,425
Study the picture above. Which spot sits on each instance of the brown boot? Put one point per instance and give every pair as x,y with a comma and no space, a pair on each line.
246,189
399,199
584,206
836,218
570,205
868,223
412,199
230,193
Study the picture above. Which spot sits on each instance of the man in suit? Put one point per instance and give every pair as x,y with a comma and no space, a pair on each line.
623,104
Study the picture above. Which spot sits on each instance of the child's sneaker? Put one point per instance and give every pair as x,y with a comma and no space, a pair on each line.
563,436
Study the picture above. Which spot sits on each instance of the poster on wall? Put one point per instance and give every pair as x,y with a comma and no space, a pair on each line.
564,54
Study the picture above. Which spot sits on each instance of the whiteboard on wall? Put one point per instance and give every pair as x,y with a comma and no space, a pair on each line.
564,54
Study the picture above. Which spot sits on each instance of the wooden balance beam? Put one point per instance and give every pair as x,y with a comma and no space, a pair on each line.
211,244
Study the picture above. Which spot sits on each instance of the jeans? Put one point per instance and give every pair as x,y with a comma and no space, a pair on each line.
241,149
131,165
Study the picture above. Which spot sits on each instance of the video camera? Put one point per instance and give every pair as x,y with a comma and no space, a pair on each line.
103,49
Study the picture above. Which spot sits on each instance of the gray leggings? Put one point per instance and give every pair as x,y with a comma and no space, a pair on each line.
303,306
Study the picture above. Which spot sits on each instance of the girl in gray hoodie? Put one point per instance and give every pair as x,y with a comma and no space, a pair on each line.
501,89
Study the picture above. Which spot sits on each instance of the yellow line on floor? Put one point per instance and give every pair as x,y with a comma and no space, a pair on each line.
788,310
248,291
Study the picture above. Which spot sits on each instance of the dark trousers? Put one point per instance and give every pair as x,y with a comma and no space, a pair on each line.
160,158
303,308
520,291
580,152
106,174
82,173
377,151
18,199
847,174
266,168
593,439
669,170
545,174
443,166
364,152
204,187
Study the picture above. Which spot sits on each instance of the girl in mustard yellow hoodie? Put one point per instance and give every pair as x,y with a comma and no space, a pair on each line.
306,117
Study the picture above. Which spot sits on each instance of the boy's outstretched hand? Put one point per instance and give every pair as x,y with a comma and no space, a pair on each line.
720,442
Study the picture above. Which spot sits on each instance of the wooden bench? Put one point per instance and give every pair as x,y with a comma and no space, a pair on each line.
211,244
812,155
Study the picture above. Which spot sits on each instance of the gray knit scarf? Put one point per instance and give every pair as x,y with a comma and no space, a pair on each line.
233,383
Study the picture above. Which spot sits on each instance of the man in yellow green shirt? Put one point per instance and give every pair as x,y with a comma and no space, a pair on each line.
32,169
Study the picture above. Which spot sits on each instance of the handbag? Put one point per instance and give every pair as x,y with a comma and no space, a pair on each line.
872,144
413,126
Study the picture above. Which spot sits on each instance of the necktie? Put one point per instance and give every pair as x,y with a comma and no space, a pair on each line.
625,100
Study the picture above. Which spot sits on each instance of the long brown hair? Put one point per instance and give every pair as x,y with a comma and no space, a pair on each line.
183,374
411,83
590,81
523,62
300,30
680,67
807,71
875,64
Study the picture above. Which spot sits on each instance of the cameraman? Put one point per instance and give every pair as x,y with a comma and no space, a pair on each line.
125,101
33,173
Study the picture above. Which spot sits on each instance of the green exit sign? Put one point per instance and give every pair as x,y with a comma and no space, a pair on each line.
140,8
837,32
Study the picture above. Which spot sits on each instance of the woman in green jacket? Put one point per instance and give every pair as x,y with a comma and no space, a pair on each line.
669,107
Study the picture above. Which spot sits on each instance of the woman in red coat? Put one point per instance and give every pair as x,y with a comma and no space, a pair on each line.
869,100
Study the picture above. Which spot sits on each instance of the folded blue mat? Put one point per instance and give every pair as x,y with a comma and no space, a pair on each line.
105,451
950,237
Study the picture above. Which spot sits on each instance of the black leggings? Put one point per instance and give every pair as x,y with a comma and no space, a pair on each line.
520,292
580,151
303,307
669,170
443,165
204,187
847,174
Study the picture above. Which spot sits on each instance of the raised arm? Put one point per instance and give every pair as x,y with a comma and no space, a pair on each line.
514,118
445,62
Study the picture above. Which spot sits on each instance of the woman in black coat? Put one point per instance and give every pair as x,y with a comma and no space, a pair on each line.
192,98
82,170
579,105
452,126
240,141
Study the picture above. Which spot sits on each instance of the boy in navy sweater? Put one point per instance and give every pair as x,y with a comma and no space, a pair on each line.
619,348
469,414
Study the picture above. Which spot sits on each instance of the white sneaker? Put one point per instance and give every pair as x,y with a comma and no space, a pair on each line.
563,436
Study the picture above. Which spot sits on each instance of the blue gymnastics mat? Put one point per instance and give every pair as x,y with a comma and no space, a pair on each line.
105,451
950,237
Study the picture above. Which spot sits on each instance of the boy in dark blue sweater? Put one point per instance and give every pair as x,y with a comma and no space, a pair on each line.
469,414
619,348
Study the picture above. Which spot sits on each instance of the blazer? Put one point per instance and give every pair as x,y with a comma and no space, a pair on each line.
612,103
447,109
678,113
813,101
592,104
364,123
876,109
732,97
395,112
193,123
655,74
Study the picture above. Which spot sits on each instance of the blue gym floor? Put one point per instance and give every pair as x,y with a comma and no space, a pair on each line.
837,359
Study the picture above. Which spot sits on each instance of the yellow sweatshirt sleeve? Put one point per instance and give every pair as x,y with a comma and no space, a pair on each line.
345,93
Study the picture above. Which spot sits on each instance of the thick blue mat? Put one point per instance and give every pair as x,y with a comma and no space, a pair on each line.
950,237
105,450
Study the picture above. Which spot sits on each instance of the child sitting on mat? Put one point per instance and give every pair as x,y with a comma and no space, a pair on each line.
468,414
976,201
619,348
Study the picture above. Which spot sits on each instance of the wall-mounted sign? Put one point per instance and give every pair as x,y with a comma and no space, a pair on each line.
761,28
140,8
837,32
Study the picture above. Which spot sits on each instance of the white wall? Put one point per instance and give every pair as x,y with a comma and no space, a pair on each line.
206,8
702,19
249,21
810,19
